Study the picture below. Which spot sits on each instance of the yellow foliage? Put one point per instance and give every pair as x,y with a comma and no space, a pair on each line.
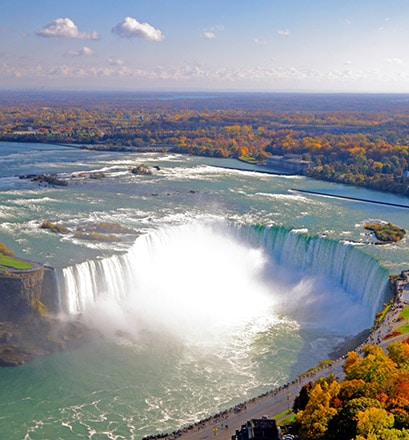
39,306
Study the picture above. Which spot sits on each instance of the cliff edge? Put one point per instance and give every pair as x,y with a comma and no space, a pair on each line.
29,326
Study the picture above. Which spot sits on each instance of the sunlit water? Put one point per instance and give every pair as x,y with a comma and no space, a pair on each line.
207,317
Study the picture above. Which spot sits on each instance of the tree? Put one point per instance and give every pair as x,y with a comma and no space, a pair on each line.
375,366
399,353
343,426
318,411
374,423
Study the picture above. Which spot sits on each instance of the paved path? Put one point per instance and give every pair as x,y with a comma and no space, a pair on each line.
223,426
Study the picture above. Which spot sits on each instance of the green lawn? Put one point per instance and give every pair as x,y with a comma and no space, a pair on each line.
14,263
405,313
286,416
404,329
381,315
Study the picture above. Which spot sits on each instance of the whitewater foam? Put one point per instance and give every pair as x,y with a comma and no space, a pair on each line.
199,280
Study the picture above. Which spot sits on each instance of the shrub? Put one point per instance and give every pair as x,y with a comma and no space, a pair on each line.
6,251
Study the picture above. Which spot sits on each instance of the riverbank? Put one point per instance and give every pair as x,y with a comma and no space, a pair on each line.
223,425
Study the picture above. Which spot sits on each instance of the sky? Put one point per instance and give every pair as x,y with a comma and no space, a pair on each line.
206,45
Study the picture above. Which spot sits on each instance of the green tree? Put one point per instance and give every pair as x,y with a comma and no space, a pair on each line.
343,426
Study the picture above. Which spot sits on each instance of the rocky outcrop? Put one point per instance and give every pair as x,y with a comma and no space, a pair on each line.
51,179
142,170
19,292
29,328
36,335
23,292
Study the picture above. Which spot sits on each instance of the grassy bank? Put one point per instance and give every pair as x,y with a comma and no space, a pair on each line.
8,262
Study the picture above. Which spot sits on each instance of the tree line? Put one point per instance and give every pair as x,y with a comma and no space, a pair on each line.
371,403
366,145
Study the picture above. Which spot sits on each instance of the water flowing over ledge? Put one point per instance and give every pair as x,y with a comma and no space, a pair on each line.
358,273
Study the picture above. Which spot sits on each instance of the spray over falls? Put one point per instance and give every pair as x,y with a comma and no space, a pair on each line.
201,280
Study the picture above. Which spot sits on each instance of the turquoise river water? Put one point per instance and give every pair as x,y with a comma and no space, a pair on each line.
233,283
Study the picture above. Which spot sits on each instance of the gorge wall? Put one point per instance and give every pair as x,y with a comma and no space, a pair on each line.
28,291
29,301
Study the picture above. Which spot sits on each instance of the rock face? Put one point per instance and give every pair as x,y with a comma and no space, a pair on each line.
22,292
36,335
28,326
19,291
49,294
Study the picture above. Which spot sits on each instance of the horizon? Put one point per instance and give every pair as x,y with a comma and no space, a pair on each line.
212,46
196,91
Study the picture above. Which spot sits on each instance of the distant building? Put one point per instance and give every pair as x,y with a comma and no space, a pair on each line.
291,163
258,429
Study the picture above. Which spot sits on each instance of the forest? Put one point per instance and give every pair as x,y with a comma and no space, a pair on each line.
371,403
355,139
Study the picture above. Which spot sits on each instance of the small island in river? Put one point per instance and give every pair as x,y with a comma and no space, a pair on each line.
386,232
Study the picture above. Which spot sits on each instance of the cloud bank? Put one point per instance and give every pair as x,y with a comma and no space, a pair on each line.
131,28
65,28
223,76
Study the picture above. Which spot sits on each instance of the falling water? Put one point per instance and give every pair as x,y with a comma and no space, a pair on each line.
194,279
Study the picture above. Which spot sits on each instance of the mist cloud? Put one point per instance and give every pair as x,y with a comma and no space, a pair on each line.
131,28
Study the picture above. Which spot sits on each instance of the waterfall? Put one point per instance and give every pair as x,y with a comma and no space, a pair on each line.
358,273
213,268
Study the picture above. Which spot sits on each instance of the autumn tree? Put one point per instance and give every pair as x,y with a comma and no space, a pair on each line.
372,402
313,420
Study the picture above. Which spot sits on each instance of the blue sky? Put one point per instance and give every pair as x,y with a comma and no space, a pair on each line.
247,45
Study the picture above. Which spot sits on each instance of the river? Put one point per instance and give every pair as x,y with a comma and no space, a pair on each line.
233,283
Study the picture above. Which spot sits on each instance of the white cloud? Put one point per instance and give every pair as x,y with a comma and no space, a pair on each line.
115,61
66,28
393,60
284,32
208,35
131,28
84,51
260,42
